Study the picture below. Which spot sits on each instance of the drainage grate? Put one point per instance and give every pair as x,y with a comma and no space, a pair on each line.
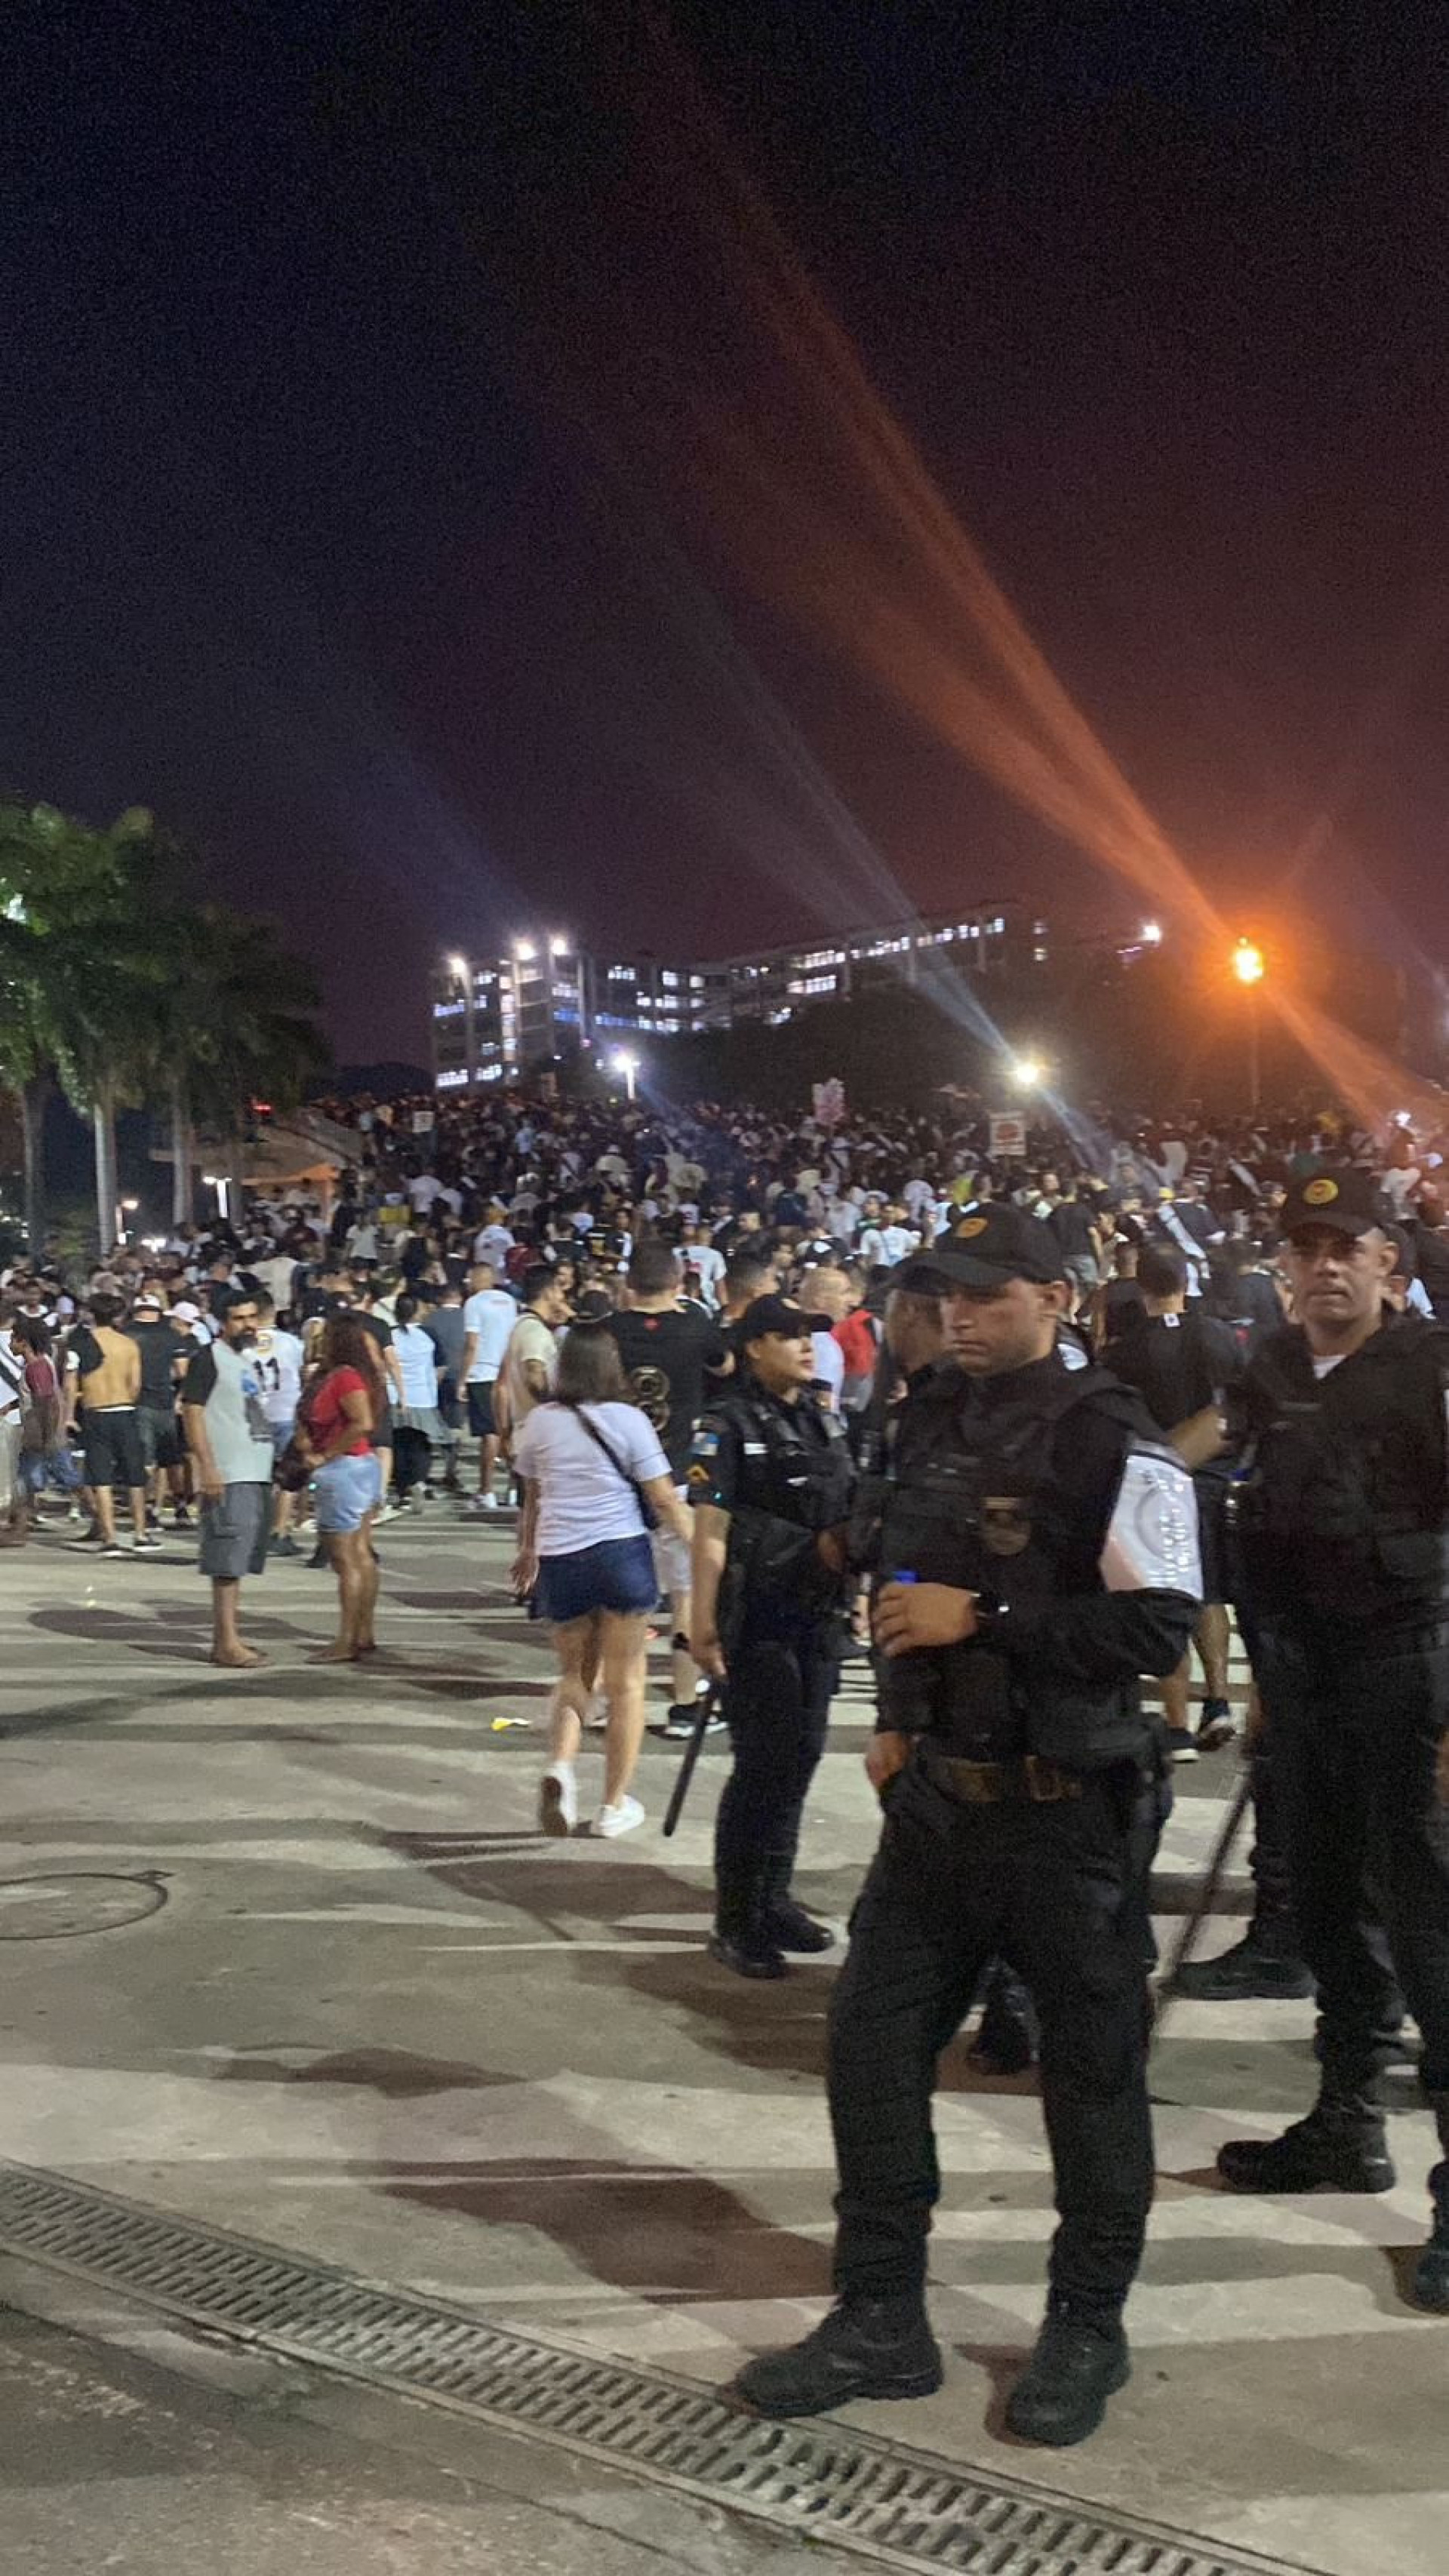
839,2486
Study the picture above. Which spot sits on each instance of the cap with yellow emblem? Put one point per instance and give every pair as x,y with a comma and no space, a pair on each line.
1342,1196
983,1250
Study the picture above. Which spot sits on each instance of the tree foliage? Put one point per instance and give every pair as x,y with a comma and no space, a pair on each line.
119,986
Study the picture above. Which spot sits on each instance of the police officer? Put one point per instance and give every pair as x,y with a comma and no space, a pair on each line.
770,1478
1342,1531
1052,1550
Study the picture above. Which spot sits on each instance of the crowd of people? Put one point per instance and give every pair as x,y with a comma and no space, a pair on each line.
325,1365
804,1388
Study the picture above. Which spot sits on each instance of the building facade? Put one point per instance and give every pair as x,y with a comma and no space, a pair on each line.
495,1018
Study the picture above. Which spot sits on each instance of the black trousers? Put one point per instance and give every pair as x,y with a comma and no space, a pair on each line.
1059,1892
1357,1729
414,1454
776,1704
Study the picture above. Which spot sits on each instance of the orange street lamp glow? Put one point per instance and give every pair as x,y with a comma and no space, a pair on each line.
1248,962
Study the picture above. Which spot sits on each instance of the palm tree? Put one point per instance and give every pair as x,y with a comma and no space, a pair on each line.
111,982
72,977
235,1020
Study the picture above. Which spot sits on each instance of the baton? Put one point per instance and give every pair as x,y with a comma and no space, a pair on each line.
702,1715
1206,1895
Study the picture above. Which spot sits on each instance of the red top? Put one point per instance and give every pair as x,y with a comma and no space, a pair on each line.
858,1343
324,1410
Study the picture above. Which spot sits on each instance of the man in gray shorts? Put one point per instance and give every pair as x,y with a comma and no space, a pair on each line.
230,1440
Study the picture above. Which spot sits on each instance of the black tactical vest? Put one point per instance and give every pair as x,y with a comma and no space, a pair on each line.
1338,1512
792,1485
977,1503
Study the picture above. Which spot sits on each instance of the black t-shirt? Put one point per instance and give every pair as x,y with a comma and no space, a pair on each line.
1178,1363
1250,1305
160,1346
1071,1223
666,1359
1123,1309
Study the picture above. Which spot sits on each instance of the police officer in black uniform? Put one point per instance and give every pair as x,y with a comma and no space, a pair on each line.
771,1478
1342,1536
1040,1554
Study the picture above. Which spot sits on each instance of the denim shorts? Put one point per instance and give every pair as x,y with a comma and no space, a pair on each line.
617,1575
346,1490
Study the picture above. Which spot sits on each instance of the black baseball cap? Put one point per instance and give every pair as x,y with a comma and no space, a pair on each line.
592,1306
766,1315
983,1250
1342,1195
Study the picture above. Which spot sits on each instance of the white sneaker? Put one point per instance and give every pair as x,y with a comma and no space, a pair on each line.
558,1803
488,1502
622,1819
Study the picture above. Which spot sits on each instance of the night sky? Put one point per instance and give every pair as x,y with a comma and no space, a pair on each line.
366,376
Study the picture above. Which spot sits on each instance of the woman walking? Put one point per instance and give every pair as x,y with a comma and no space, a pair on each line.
417,1421
589,1462
335,1425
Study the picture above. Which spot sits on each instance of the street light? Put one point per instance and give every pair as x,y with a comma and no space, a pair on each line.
628,1065
523,950
558,946
1249,966
1026,1072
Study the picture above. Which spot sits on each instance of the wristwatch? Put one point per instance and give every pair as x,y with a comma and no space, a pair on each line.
992,1614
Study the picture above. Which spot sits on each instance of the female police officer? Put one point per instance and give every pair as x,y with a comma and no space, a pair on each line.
770,1479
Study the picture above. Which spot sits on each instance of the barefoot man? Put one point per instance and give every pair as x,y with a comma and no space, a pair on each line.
230,1440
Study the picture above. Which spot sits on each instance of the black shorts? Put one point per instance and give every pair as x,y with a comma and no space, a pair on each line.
480,1411
113,1451
160,1435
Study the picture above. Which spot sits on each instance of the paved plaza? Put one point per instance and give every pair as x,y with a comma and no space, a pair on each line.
286,1955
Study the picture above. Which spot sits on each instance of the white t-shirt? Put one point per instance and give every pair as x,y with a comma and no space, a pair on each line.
711,1266
493,1244
423,1189
277,1358
829,1368
491,1314
582,1500
418,1360
531,1339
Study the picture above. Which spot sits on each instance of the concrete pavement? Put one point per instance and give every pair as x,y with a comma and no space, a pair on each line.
338,1995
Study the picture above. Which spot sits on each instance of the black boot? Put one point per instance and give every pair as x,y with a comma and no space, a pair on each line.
1341,2146
1259,1967
740,1940
864,2348
786,1923
1431,2275
1079,2362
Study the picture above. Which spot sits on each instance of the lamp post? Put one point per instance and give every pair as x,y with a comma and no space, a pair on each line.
1249,967
461,967
628,1065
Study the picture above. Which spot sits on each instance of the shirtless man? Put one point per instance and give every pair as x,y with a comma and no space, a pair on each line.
108,1366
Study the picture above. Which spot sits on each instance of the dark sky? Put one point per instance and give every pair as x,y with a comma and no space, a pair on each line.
359,361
